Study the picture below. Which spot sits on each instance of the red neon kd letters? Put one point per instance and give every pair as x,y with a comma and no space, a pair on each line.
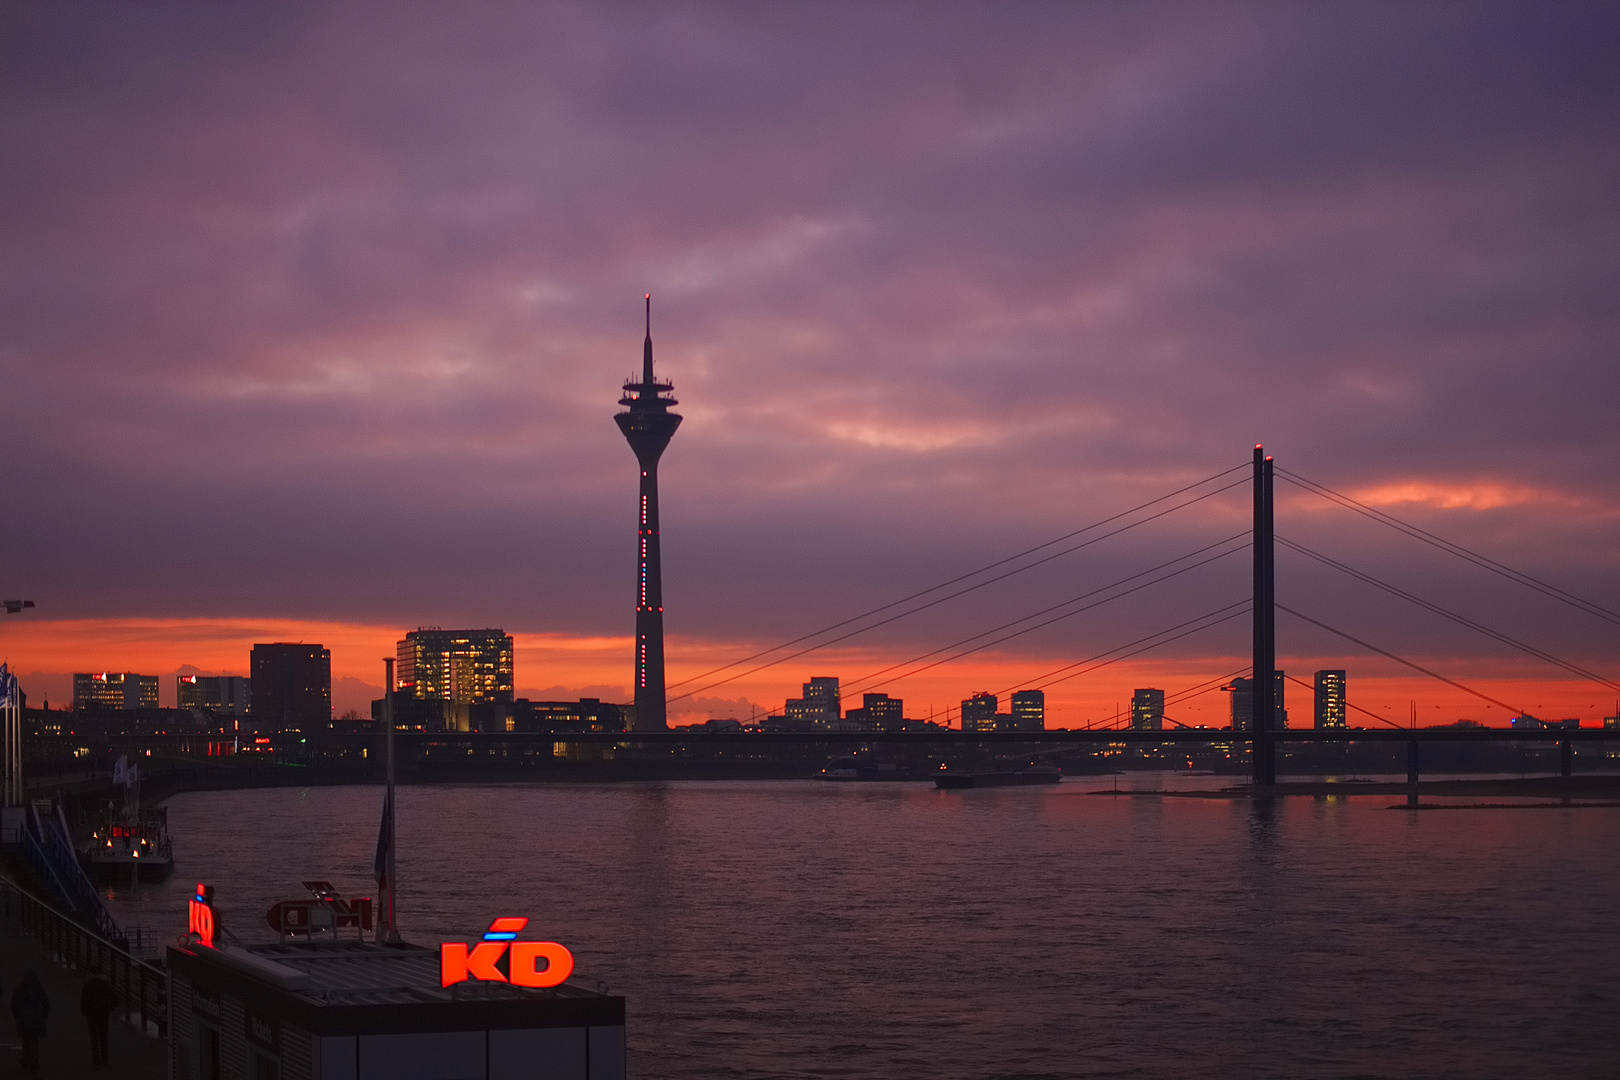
457,963
526,956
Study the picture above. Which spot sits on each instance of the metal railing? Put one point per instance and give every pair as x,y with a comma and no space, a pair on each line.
142,988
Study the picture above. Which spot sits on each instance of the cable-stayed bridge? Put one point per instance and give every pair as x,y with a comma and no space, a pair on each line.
1259,606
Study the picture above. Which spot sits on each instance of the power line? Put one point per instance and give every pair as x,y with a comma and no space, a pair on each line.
1482,561
872,678
951,596
1403,660
1043,681
1461,620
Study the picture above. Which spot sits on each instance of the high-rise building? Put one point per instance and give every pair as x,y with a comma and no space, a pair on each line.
457,666
114,690
1242,691
1147,710
979,712
1331,711
1029,710
224,694
291,686
648,425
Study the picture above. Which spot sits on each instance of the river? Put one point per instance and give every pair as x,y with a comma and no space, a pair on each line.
804,929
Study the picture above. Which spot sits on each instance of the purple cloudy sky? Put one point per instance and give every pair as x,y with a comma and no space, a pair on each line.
320,312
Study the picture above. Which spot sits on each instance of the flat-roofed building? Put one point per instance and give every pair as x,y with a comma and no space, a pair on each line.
114,690
1331,711
879,712
291,686
1029,710
979,712
1242,691
347,1010
460,666
227,695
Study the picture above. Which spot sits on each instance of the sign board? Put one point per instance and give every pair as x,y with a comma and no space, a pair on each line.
459,962
200,915
319,916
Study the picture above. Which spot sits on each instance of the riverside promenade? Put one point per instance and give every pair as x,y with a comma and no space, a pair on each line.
65,1051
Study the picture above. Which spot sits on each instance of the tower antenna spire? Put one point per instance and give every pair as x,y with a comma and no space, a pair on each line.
646,349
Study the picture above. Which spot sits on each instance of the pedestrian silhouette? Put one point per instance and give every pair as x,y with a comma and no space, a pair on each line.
97,1001
30,1008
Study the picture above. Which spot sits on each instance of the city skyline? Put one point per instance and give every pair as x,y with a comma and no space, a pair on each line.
1025,273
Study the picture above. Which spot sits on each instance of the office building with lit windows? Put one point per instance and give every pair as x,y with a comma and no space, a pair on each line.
460,666
223,694
979,712
1029,710
1331,711
114,690
879,712
1147,710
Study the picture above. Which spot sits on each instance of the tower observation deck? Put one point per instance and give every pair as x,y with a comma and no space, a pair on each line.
648,426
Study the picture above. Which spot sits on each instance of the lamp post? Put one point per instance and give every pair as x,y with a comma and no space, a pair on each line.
11,707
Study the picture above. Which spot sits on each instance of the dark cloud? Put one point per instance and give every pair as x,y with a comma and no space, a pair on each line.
320,310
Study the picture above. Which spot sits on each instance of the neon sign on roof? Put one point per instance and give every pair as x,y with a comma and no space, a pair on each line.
459,962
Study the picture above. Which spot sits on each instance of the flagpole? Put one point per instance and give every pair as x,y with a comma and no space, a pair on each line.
388,718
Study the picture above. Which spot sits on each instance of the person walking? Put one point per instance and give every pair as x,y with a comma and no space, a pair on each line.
30,1008
97,1001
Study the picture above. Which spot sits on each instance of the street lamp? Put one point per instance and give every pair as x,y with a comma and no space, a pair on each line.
15,606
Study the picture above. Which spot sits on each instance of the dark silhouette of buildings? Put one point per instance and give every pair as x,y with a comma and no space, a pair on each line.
291,686
1147,710
648,425
1330,695
1242,691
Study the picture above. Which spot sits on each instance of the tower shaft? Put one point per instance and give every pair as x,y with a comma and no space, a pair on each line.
650,704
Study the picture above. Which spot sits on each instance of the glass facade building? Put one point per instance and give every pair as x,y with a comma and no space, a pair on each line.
459,666
1331,711
1147,710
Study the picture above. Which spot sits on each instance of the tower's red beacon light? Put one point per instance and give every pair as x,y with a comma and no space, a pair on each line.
458,962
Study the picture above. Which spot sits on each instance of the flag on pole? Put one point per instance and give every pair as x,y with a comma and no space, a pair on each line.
8,687
379,868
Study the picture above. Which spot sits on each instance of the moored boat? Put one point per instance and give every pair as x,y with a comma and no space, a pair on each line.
1035,774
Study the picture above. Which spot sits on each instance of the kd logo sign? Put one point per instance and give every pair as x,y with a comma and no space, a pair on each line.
529,963
200,915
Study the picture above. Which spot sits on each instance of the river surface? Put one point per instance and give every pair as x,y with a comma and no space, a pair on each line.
787,929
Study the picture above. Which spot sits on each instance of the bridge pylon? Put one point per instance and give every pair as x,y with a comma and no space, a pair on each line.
1263,755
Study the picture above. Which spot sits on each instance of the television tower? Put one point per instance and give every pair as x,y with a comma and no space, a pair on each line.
648,425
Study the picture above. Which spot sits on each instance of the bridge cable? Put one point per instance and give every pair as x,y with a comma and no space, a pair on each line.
1461,620
1482,561
1402,660
1347,704
951,596
871,678
1041,682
